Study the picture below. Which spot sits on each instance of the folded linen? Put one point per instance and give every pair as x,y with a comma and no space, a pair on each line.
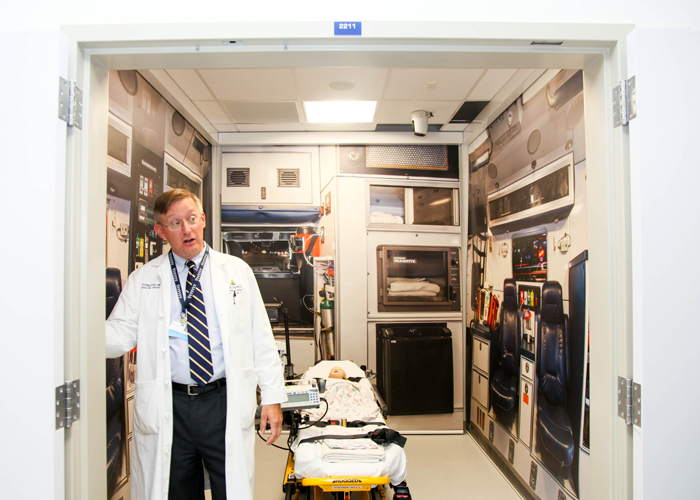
417,293
351,451
414,286
383,218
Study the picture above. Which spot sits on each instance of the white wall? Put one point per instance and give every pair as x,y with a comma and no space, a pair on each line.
47,14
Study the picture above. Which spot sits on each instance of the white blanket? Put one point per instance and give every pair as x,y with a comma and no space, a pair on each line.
348,400
346,457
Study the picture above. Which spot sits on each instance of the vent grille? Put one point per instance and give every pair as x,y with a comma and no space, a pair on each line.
237,177
288,177
408,157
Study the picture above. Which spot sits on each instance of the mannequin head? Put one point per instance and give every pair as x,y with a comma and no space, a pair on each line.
337,372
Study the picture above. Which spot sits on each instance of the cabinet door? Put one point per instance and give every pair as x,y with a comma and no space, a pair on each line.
480,388
526,399
481,355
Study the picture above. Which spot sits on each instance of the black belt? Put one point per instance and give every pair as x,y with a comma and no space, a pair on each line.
194,390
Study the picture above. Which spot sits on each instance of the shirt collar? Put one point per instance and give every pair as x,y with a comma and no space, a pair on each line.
180,262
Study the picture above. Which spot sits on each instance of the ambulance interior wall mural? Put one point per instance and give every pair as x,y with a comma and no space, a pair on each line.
527,262
151,148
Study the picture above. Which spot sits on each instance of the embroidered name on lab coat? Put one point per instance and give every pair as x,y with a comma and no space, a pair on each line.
150,286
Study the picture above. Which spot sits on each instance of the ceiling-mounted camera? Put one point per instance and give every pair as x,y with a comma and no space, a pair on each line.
419,119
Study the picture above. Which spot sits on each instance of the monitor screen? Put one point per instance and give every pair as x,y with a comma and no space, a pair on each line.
530,257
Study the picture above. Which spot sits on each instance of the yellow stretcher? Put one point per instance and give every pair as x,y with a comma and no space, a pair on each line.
341,486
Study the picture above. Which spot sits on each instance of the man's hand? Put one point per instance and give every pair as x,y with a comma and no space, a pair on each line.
271,414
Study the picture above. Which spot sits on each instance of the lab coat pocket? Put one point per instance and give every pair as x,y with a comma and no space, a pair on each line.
146,408
247,400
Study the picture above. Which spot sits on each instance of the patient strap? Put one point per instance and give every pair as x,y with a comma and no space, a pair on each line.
353,423
379,436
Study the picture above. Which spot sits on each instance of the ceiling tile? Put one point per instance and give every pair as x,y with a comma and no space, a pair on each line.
313,83
213,112
449,83
400,111
263,112
265,84
191,84
490,84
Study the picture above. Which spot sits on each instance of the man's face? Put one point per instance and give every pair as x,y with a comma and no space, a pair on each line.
188,240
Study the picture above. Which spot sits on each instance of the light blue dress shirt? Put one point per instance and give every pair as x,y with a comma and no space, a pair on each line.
179,348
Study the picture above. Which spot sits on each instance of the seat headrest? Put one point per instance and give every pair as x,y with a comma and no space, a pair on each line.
552,308
510,294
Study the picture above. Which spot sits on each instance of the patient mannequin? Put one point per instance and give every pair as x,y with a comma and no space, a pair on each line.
337,372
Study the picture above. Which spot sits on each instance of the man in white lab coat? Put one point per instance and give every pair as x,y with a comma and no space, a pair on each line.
203,347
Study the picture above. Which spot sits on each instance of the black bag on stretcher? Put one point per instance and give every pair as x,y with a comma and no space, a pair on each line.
382,436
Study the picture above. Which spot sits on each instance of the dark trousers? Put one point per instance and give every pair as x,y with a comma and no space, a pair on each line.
199,430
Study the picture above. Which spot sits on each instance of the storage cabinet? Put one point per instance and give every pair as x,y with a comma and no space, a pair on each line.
480,370
431,204
279,176
480,388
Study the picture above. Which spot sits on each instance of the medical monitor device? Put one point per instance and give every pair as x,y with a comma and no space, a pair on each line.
530,257
301,395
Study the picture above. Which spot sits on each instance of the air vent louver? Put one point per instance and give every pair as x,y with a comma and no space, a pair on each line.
288,177
237,177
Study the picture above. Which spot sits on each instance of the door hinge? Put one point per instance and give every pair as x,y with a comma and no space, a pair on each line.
67,404
629,401
624,102
70,103
381,254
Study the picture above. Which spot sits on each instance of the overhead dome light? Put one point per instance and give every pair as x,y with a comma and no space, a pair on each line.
341,86
340,111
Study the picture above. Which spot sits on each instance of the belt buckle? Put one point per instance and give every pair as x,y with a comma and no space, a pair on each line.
189,390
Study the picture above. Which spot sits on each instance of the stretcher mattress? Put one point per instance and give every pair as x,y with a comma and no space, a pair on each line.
352,401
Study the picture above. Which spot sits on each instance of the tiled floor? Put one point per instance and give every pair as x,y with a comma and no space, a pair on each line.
439,467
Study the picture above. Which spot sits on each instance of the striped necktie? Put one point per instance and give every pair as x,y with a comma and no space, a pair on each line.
201,367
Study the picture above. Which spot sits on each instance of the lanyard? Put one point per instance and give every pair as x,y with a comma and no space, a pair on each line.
185,301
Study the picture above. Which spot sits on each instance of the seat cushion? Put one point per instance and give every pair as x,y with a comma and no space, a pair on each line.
555,437
504,390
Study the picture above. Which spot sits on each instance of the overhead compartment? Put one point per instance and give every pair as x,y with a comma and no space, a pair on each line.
266,177
544,196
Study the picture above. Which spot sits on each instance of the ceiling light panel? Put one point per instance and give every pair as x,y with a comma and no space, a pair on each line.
490,84
191,84
313,83
450,83
339,111
266,84
400,111
213,112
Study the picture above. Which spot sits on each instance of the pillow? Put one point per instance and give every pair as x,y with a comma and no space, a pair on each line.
323,368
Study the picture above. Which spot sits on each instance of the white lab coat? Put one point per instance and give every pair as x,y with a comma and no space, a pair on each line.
142,318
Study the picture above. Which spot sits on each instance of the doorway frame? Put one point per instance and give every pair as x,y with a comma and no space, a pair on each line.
600,50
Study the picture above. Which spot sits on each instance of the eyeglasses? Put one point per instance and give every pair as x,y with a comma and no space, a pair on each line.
192,220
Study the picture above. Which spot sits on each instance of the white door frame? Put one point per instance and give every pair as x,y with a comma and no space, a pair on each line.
598,49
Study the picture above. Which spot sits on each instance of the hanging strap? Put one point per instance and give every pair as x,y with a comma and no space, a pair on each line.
379,436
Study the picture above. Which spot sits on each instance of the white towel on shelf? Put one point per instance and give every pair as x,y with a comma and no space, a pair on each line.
383,218
414,286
